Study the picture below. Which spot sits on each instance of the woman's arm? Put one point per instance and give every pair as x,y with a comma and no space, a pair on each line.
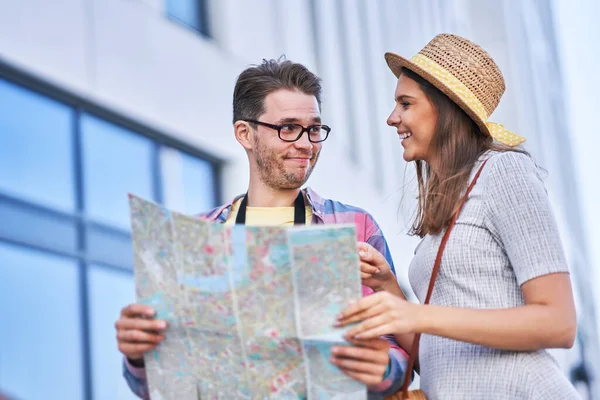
547,320
377,274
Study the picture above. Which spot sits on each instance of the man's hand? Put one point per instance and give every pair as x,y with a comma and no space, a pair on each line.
366,361
137,333
374,269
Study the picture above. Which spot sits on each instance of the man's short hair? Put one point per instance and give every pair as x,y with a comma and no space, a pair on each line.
256,82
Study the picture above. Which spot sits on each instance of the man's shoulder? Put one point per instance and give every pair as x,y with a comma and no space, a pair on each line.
343,212
210,214
336,206
219,213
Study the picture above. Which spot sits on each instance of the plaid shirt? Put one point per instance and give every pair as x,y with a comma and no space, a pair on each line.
324,211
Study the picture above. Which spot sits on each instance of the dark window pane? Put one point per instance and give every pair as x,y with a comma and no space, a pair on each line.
188,182
115,162
110,291
191,13
40,338
36,150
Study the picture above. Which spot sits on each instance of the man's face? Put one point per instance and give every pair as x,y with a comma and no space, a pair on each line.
284,165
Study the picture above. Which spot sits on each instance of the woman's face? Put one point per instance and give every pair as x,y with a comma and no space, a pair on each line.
414,118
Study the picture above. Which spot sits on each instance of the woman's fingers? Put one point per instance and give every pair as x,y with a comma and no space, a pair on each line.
389,328
369,254
376,344
361,315
370,323
368,268
361,305
364,251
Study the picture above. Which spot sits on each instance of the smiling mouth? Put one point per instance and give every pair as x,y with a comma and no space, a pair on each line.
300,157
404,135
299,160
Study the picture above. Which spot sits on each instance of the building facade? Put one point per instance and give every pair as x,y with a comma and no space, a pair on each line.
100,98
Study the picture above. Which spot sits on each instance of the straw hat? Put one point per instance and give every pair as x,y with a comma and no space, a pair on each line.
464,72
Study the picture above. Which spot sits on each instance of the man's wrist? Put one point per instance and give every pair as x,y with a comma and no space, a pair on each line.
388,369
137,363
385,281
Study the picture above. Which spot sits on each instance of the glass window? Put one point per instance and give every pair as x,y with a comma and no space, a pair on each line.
40,338
115,162
191,13
36,149
32,225
110,291
41,335
188,182
109,247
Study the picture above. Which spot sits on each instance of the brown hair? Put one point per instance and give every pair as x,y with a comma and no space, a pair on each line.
258,81
459,143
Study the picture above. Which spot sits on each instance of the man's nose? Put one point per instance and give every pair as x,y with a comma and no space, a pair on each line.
303,142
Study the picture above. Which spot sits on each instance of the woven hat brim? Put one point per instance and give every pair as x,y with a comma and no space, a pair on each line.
396,63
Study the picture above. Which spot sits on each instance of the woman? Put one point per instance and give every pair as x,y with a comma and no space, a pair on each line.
503,294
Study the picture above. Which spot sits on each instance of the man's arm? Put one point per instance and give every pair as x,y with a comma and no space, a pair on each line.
374,237
136,379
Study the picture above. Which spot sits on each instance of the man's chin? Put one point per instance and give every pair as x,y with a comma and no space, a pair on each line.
295,182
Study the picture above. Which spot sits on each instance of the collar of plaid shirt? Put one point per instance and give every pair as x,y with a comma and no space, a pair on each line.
316,202
325,211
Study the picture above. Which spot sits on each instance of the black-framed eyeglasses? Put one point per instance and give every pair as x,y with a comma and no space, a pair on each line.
293,132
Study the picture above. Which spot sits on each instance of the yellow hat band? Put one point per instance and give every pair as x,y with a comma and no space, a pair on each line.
497,131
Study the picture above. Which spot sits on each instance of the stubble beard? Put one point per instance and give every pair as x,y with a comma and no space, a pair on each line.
273,172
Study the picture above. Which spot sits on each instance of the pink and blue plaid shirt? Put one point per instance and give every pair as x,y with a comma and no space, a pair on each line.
324,211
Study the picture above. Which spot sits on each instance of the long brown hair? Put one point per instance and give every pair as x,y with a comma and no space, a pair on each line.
458,143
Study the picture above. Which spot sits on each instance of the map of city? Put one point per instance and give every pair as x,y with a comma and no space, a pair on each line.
250,309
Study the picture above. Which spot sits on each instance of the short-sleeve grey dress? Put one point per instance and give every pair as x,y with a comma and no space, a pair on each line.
506,235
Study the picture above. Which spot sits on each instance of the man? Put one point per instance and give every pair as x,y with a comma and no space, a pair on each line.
276,117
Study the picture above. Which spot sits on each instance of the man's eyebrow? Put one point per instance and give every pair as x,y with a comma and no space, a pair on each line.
294,120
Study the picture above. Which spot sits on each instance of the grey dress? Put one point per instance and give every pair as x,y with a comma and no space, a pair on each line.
505,236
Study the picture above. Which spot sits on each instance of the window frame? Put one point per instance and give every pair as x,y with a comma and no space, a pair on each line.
78,220
202,18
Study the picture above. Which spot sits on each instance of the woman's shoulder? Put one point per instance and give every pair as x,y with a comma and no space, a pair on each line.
512,176
509,157
511,165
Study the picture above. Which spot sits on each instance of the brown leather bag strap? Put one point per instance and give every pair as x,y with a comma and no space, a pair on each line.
436,267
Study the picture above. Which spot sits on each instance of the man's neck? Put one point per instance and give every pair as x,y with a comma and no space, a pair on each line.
260,195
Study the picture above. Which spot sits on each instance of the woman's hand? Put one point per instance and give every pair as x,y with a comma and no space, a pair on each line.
381,313
374,269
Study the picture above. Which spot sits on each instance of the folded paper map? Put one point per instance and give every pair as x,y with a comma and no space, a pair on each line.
250,310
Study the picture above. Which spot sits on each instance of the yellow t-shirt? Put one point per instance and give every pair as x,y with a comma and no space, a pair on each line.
267,216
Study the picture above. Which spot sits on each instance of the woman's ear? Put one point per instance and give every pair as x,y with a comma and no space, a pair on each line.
243,134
